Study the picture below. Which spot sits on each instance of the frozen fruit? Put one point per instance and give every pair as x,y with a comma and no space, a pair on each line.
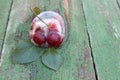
54,39
39,38
50,35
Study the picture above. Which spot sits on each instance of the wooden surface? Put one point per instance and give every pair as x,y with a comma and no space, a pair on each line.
90,53
5,6
103,24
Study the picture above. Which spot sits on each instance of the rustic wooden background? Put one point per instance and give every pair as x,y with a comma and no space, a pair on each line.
92,51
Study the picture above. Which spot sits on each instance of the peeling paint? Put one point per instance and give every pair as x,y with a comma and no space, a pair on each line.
116,32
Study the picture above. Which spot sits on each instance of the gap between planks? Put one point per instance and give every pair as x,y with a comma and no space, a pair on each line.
6,28
118,4
89,40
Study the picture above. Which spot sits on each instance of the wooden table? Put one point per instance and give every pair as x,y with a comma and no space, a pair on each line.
92,51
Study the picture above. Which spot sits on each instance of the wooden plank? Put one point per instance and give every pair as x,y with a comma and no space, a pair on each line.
103,23
77,63
4,13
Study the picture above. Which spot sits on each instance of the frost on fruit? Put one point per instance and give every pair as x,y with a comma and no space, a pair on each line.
51,35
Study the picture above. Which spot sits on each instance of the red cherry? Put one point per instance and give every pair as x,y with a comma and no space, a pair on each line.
52,27
38,29
39,38
54,39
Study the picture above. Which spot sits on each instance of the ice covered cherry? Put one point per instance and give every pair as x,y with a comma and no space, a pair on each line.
52,27
54,39
50,35
39,38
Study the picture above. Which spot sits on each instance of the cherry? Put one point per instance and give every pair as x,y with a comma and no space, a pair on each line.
51,34
39,29
39,38
54,39
52,27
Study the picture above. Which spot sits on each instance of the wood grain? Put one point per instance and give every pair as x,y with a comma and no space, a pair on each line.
77,63
103,23
5,6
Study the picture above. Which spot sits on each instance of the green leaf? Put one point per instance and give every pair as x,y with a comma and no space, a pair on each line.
53,50
52,61
36,10
26,52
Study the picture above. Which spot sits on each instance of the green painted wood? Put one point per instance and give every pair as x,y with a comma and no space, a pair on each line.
103,23
77,64
4,12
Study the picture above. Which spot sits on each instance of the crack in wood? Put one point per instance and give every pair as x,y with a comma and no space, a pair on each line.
89,40
94,66
6,28
118,4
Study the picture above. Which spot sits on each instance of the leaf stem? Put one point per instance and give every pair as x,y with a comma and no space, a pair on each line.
38,17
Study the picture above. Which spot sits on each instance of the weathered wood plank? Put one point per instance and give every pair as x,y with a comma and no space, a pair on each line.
77,63
103,23
4,13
